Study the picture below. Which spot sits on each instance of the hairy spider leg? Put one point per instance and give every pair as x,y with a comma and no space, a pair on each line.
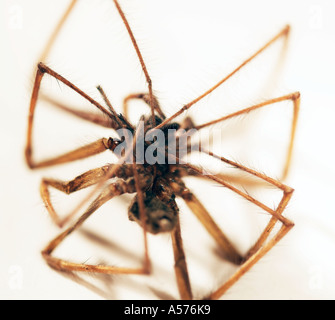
283,33
77,154
294,97
260,248
114,189
141,96
144,67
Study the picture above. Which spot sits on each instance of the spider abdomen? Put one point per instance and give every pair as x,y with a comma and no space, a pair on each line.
160,216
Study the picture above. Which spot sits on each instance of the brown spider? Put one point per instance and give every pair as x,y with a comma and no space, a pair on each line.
155,185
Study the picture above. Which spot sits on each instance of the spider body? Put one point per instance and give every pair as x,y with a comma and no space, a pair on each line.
150,166
162,184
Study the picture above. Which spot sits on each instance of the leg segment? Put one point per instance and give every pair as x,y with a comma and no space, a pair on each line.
141,204
42,69
121,121
55,33
282,33
85,180
139,55
77,154
246,266
146,98
294,97
260,248
207,221
88,116
286,190
115,189
180,266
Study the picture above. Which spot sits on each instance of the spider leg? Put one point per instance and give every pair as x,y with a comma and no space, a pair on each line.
261,247
139,191
98,177
56,31
98,119
252,260
207,221
180,267
119,118
294,97
115,189
287,191
77,154
144,68
204,217
283,33
42,69
85,180
245,181
146,98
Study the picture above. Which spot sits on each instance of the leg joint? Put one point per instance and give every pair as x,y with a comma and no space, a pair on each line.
42,67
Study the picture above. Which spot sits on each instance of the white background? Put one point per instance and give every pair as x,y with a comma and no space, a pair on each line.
188,46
